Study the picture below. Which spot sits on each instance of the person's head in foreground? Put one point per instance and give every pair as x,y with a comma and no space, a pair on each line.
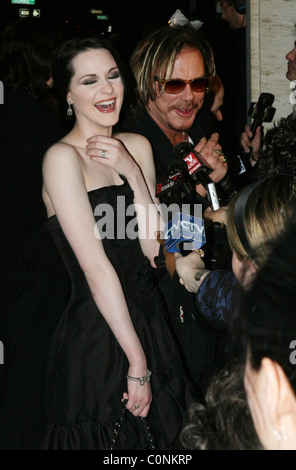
266,325
255,216
223,422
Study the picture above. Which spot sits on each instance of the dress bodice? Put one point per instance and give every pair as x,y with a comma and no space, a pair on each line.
116,223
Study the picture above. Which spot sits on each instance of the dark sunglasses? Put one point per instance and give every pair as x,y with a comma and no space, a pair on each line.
177,85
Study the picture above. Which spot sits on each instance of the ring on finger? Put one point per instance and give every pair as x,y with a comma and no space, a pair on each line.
224,159
103,154
137,407
200,252
221,155
219,152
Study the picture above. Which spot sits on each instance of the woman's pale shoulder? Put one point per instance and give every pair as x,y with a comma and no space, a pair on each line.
61,151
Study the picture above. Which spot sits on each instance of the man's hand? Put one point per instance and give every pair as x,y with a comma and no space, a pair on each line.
211,150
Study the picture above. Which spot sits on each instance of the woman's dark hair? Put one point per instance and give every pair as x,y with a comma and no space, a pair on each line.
62,67
223,422
26,54
265,322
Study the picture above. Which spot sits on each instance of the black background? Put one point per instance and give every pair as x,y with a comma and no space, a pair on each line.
134,17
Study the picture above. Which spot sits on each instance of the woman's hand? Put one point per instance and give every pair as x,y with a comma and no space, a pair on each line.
139,396
111,152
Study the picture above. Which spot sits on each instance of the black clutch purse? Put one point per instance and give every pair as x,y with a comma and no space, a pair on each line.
144,424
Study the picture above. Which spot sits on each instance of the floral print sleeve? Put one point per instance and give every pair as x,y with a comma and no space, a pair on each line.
215,297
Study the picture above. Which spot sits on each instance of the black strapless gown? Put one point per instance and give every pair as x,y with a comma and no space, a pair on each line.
87,368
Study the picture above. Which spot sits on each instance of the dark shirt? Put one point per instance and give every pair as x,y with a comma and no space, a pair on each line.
140,122
196,339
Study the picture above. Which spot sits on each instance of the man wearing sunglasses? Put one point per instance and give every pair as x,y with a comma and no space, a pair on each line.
173,68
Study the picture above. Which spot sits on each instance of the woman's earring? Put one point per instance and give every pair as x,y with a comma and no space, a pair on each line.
69,110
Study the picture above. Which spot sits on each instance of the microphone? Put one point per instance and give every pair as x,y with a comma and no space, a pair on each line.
261,111
184,232
239,166
199,170
177,185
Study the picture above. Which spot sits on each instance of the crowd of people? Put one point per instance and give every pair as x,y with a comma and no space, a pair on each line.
95,310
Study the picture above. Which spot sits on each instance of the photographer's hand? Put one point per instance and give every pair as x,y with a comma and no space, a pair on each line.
187,267
251,147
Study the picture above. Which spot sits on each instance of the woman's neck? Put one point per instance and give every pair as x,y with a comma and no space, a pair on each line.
82,131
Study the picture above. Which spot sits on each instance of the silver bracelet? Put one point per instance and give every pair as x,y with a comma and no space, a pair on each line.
142,380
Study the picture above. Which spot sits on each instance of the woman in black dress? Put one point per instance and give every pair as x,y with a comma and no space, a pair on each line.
112,342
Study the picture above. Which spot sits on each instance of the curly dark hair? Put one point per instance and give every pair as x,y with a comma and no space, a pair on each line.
279,149
224,421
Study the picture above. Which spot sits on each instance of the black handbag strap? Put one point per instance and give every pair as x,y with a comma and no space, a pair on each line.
144,423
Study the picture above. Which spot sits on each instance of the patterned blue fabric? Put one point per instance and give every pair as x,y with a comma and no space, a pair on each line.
215,298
